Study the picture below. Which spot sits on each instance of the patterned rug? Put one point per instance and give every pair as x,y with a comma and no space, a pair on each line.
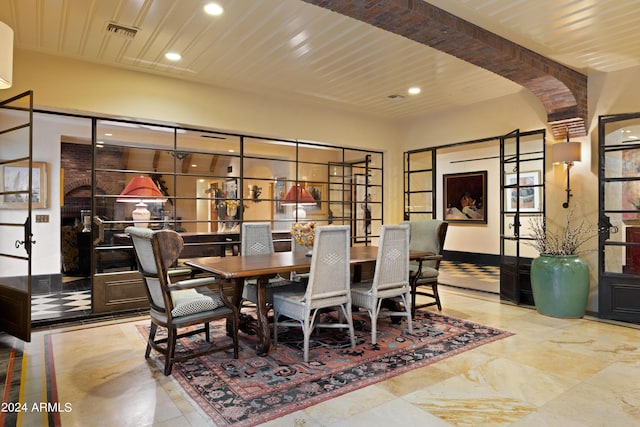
252,390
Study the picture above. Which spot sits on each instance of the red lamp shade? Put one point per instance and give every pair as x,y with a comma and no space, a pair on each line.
141,189
298,195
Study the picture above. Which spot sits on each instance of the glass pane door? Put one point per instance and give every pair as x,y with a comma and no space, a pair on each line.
619,243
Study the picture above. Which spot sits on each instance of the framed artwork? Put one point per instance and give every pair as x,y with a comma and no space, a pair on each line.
15,177
630,194
527,194
362,213
319,192
230,188
279,191
465,197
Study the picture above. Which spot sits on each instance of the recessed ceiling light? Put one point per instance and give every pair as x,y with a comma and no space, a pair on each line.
213,9
414,90
108,134
172,56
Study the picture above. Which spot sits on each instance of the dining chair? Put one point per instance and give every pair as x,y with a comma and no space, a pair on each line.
256,238
295,275
426,235
328,287
178,305
390,278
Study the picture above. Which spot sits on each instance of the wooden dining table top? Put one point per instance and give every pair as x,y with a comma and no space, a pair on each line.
281,262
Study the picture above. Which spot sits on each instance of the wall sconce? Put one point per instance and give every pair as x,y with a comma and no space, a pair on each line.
141,189
567,153
6,56
298,196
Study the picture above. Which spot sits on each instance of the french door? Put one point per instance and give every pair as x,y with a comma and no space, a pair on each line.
20,189
522,195
619,217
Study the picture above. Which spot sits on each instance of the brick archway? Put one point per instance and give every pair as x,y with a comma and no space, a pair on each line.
562,91
104,187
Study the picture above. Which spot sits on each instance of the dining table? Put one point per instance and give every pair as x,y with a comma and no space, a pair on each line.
262,267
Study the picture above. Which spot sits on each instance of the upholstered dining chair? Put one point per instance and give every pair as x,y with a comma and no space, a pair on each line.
328,287
390,278
178,305
256,239
426,235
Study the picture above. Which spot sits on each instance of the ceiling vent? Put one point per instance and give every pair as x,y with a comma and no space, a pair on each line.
395,96
121,30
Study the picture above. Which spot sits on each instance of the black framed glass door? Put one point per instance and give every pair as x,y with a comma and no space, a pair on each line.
21,188
619,217
522,195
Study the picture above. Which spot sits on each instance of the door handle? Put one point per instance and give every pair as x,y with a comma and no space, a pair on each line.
606,228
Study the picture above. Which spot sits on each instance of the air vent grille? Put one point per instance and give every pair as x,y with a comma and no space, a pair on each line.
121,30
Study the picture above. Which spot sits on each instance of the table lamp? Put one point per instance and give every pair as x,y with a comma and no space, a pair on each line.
141,190
298,196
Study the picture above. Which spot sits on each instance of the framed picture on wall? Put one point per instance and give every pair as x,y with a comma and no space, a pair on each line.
319,192
279,191
465,197
15,177
527,195
230,188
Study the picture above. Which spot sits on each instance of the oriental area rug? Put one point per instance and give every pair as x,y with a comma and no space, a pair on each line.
251,390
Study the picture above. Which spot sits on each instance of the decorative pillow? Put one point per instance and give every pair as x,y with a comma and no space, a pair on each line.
190,301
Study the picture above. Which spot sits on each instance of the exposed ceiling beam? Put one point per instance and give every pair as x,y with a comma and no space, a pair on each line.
562,91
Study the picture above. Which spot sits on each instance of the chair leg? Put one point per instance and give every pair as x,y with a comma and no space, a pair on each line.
374,331
275,328
405,299
207,335
171,349
349,316
306,333
152,336
413,299
434,286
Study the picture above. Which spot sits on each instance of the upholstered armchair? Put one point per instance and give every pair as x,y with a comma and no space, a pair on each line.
178,305
426,235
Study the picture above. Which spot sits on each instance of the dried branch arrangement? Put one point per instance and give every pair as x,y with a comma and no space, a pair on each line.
566,241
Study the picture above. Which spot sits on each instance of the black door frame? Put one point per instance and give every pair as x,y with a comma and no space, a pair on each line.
618,291
15,292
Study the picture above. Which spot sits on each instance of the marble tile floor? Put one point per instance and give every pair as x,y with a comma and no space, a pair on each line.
552,372
464,275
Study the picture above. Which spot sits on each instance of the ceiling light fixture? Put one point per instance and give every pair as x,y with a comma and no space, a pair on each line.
414,90
213,9
172,56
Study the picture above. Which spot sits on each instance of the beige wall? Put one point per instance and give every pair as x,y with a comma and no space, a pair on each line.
70,85
609,93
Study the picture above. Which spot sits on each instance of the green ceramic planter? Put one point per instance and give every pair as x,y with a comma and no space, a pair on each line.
560,285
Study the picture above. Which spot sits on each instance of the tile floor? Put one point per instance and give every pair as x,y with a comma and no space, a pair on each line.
552,372
61,304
